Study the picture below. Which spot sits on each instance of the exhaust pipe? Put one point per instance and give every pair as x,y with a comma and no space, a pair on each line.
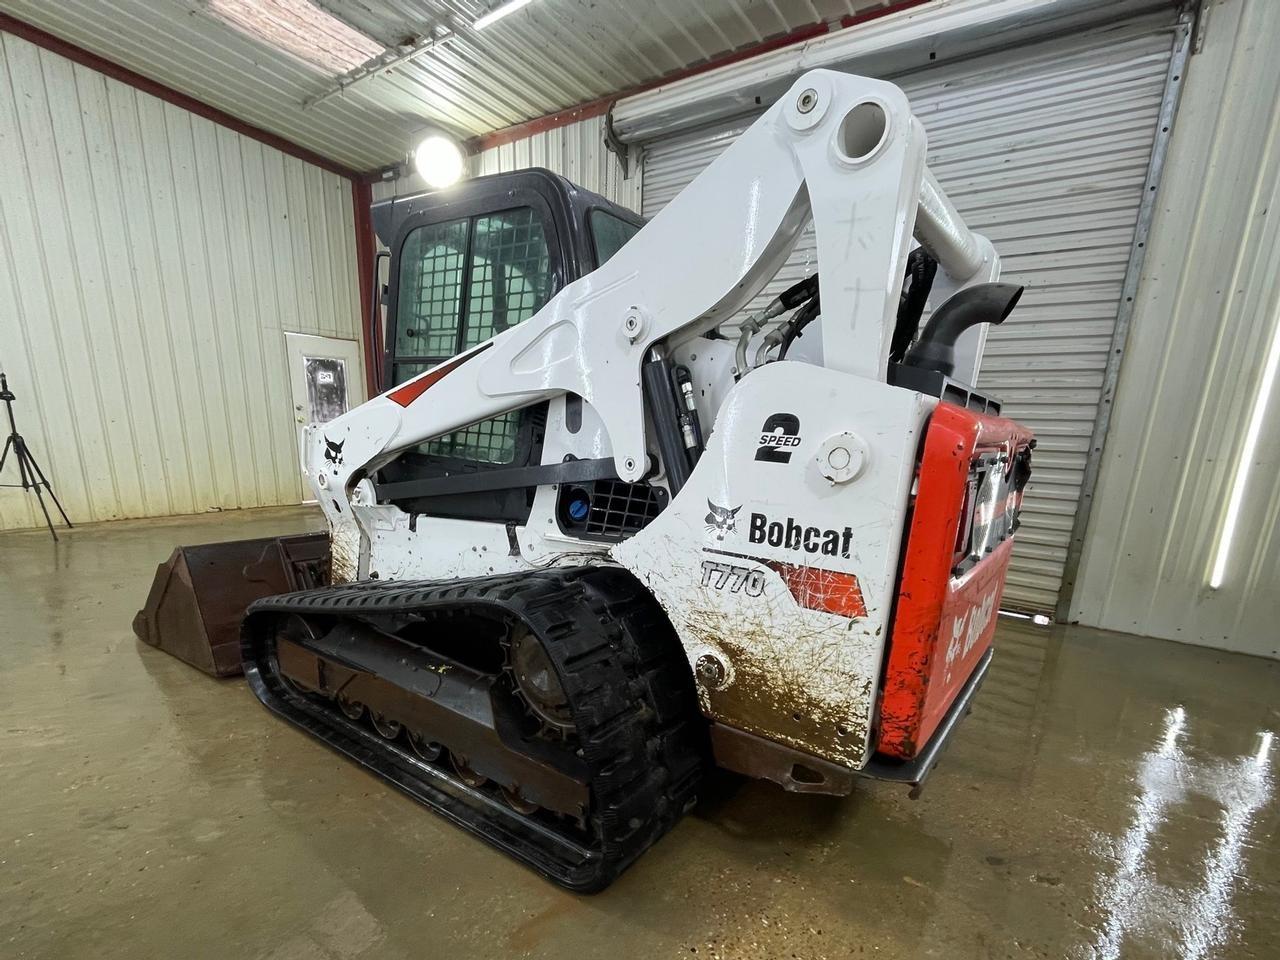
981,303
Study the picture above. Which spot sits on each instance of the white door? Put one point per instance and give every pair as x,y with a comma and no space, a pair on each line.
1045,150
326,377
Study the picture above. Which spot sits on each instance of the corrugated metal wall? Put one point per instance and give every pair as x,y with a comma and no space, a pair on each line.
1206,314
1045,150
151,263
575,151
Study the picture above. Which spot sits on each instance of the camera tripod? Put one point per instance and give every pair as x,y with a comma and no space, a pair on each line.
33,477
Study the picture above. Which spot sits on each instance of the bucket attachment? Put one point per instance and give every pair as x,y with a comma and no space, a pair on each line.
199,594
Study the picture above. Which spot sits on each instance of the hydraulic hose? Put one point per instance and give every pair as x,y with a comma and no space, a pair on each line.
795,326
793,296
921,269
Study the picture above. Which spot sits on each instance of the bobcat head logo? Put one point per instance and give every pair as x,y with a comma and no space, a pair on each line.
720,520
333,452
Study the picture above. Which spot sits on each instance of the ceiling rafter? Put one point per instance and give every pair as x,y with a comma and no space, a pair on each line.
550,57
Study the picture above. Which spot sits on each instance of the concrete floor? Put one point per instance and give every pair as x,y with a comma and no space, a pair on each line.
1109,797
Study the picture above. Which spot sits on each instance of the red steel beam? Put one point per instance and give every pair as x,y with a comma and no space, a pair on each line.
853,19
361,198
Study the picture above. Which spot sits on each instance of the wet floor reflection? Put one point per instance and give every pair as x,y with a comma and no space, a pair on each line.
1136,902
1109,797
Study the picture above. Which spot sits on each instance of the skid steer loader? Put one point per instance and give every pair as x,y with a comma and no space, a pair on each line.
603,530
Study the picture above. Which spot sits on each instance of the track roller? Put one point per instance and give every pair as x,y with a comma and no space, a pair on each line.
424,748
387,728
517,802
465,772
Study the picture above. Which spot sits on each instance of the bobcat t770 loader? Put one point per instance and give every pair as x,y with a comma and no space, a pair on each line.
605,530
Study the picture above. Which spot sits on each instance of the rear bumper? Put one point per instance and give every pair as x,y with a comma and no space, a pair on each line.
793,770
799,772
914,771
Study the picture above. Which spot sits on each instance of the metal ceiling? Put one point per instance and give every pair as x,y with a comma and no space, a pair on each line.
543,58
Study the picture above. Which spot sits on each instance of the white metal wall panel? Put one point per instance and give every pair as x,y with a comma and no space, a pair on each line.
1205,315
576,151
151,261
1044,150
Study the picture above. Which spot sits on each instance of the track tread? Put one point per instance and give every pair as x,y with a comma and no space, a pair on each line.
630,691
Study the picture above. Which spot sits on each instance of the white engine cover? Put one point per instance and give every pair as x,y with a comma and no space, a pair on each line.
760,527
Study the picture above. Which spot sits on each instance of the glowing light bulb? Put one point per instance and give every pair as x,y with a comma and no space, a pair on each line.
438,161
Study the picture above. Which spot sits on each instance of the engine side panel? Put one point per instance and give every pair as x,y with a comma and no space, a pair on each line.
779,581
953,573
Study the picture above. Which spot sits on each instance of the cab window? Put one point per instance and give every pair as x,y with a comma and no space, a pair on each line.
462,282
609,234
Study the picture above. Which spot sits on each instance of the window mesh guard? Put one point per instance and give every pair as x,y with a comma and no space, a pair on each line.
510,280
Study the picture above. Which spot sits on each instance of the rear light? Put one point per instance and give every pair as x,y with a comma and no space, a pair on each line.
965,530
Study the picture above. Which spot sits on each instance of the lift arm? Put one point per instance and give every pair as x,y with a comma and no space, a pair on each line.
843,151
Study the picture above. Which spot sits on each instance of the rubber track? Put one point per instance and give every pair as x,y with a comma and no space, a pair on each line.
628,682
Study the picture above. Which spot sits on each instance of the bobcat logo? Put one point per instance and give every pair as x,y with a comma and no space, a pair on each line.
721,520
333,451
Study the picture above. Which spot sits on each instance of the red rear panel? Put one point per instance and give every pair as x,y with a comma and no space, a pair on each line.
957,555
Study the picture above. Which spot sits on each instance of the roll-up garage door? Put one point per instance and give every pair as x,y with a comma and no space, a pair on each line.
1045,151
